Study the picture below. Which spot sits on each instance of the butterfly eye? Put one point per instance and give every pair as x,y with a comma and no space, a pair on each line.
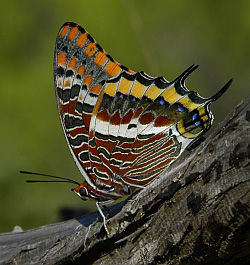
83,192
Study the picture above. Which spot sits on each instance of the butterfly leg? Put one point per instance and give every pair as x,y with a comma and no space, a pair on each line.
107,210
102,214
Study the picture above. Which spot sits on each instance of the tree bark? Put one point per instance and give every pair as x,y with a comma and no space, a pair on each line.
197,212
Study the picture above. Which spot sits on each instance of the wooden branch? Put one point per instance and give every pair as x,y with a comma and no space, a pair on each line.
195,213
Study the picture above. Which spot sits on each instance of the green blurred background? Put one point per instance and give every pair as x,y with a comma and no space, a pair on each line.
159,37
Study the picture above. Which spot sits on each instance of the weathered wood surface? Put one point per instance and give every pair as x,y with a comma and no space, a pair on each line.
195,213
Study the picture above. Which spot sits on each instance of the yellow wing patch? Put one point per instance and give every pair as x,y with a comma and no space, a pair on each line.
170,95
124,86
153,92
187,103
138,89
111,89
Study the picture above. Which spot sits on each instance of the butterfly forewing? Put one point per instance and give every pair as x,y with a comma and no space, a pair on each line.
80,67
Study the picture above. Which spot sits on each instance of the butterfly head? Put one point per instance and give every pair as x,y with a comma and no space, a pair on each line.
83,191
87,192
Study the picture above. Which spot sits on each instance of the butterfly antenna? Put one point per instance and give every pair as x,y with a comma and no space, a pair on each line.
46,175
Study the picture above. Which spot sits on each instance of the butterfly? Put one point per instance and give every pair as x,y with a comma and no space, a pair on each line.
123,128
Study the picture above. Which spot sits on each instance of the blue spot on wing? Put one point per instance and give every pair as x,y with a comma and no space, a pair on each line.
195,116
181,109
196,119
162,102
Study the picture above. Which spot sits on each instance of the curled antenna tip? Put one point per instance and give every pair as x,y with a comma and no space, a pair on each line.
221,91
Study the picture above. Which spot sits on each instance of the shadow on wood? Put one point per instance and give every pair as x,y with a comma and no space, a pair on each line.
197,212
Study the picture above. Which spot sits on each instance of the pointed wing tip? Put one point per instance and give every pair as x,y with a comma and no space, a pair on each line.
181,78
222,90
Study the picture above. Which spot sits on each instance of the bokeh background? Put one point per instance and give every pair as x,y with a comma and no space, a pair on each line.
159,37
